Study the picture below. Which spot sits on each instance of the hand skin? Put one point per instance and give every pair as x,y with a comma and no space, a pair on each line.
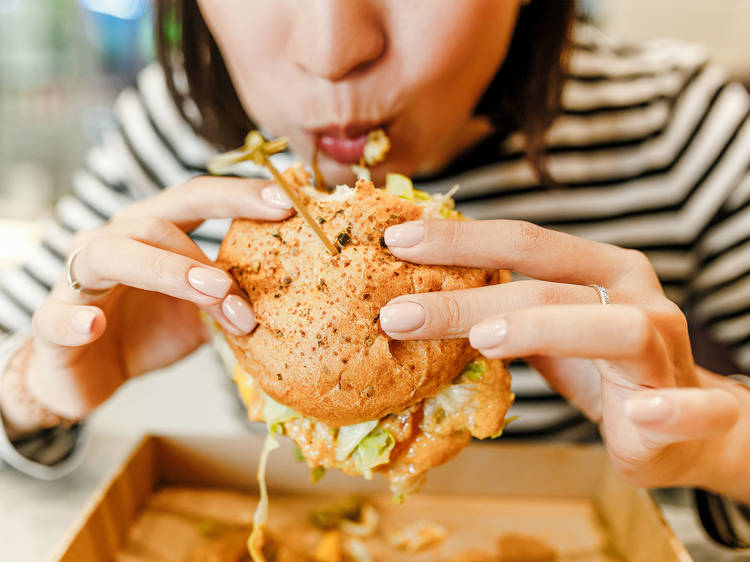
627,365
85,347
725,466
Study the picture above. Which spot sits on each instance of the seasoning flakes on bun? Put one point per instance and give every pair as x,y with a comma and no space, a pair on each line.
320,370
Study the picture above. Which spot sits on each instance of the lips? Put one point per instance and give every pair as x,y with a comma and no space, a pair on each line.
342,149
344,143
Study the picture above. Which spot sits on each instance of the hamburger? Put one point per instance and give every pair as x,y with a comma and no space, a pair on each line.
319,369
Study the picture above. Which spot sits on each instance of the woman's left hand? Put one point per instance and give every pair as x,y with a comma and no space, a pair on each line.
627,365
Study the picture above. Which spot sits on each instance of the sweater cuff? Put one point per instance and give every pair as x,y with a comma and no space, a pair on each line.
46,454
726,521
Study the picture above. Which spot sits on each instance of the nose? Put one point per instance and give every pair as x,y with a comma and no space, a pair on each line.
335,38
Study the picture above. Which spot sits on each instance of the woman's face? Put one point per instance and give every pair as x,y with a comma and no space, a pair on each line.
329,71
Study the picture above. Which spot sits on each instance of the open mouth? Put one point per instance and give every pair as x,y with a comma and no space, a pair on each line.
345,143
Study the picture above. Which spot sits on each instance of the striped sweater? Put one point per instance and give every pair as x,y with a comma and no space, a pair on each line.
652,146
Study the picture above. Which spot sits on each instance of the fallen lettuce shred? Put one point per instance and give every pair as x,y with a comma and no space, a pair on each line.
365,525
330,516
373,450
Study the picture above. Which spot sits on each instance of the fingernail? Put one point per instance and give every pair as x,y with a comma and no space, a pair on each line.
275,197
209,281
404,235
488,334
82,321
652,409
239,313
402,317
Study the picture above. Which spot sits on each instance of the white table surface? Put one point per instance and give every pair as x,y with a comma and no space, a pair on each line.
188,398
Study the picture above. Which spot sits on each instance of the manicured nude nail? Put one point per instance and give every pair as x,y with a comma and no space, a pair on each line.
651,409
275,197
402,317
209,281
239,313
404,235
488,334
82,321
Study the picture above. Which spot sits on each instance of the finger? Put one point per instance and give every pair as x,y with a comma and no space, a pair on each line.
157,232
108,260
451,314
668,415
519,246
206,197
624,335
234,315
59,323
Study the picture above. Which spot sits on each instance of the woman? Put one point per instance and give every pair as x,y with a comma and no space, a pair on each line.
647,148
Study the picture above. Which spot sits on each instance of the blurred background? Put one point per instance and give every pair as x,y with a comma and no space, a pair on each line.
61,64
63,61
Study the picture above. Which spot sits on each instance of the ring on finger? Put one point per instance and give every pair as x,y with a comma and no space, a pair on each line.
75,284
603,293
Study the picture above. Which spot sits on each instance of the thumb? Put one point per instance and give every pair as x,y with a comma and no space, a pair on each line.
679,414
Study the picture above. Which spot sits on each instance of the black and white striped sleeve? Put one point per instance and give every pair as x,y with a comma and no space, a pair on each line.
152,148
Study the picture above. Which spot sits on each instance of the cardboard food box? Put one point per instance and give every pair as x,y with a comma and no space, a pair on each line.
517,498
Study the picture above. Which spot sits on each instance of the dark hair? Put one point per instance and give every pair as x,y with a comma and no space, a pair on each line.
524,96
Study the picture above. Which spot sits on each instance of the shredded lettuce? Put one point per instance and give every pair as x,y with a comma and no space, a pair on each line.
260,517
362,173
317,473
454,398
506,421
349,437
435,206
330,516
473,371
447,212
400,185
276,414
373,450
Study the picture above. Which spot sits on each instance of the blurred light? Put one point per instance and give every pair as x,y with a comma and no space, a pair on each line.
18,240
8,6
122,9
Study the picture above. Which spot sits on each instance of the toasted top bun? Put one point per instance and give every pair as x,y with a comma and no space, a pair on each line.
318,347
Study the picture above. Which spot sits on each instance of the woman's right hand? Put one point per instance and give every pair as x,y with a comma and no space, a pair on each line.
85,347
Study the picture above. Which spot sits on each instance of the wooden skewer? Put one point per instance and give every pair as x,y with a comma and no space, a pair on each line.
300,208
258,149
